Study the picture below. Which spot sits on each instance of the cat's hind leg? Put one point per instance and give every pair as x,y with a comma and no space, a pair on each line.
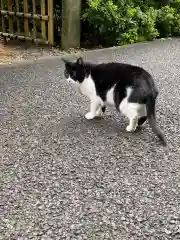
100,111
132,112
142,115
133,122
137,116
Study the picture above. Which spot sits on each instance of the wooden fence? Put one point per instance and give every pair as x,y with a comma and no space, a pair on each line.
30,20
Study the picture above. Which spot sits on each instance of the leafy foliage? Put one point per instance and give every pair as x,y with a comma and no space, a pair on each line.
168,21
116,22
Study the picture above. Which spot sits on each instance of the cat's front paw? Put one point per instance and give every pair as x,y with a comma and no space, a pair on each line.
130,129
99,113
89,115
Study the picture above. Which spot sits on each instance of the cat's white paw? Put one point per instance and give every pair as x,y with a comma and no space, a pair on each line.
129,128
99,112
89,115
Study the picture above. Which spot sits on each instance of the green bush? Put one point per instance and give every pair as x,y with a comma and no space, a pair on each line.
117,22
165,21
107,19
176,26
175,4
168,22
145,22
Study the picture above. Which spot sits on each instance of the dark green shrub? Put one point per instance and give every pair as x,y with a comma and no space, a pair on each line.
106,18
165,21
176,27
117,22
145,22
175,4
121,23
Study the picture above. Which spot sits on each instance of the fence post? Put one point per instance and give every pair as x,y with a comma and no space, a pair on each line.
71,17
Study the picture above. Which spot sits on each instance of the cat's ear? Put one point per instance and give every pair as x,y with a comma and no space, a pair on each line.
80,61
68,64
65,61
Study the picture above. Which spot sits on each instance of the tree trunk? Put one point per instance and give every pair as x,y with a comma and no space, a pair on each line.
71,17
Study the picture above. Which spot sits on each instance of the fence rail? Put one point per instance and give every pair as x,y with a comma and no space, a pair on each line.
20,20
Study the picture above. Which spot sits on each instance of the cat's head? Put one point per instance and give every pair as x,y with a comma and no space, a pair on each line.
75,72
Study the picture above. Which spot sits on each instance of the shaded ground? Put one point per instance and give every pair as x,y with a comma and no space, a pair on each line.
63,177
22,51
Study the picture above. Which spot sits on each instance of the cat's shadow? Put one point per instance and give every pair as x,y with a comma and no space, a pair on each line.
107,125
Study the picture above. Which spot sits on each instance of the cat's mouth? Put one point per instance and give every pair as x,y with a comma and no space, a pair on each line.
71,81
68,77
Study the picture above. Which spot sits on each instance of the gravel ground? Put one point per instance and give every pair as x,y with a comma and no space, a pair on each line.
63,177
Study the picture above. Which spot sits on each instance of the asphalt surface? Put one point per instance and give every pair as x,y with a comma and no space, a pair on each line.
63,177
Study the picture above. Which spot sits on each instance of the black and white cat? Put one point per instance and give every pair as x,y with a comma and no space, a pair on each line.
129,88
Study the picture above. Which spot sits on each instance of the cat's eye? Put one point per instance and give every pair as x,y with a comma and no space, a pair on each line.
66,74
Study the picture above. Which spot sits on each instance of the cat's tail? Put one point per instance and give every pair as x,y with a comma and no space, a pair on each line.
151,116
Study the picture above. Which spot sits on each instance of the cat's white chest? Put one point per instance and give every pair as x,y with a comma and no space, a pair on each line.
87,88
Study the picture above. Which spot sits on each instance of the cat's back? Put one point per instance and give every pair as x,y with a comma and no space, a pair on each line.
116,78
117,71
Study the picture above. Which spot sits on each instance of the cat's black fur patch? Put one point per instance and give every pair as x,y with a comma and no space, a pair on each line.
141,121
103,109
